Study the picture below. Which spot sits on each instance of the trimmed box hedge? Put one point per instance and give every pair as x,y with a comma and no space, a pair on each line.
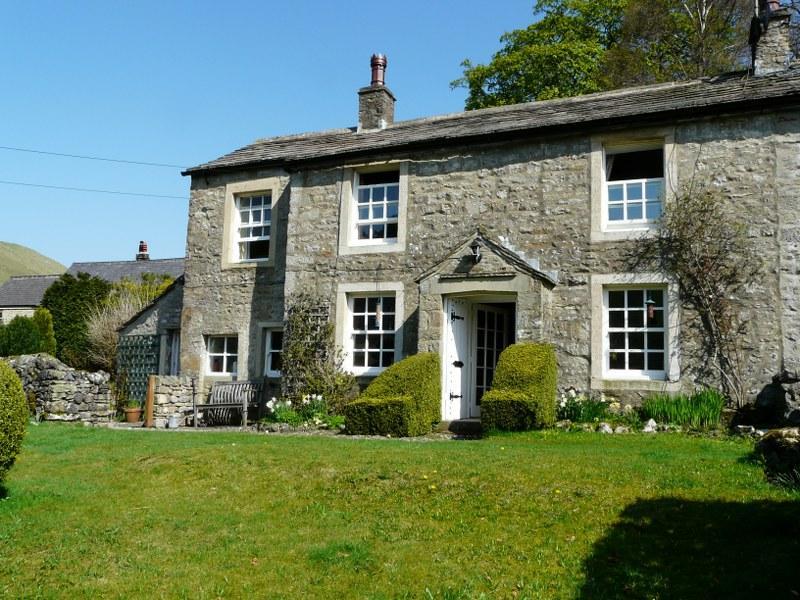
402,401
523,394
13,417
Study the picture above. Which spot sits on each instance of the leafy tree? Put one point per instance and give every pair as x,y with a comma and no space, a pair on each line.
20,336
127,297
583,46
13,417
69,300
43,321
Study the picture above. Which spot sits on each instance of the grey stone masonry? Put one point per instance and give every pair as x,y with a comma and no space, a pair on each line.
62,393
774,50
375,107
173,396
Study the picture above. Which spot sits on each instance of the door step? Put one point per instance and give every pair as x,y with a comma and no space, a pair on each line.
461,426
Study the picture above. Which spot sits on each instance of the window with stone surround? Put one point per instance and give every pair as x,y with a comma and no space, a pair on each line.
635,340
377,205
273,348
634,186
223,354
373,326
254,226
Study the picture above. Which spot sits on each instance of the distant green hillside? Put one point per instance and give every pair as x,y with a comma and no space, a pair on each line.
19,260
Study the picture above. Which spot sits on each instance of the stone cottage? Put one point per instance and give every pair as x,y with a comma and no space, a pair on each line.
463,233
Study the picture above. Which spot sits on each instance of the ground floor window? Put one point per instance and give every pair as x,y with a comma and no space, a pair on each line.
273,348
635,332
373,327
223,354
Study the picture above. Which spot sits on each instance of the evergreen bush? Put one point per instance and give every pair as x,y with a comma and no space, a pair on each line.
402,401
13,417
43,321
523,394
20,336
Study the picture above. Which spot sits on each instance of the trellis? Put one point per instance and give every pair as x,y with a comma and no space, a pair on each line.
137,358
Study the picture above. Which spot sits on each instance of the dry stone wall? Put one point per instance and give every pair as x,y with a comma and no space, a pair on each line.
173,396
62,393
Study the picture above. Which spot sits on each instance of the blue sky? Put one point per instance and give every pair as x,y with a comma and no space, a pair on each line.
184,82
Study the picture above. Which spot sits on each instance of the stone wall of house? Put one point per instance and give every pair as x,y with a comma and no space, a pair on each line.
174,396
62,393
536,197
231,300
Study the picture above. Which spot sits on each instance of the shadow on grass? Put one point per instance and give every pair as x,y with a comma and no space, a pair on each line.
673,548
3,492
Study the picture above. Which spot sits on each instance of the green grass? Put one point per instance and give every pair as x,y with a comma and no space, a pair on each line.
120,514
701,410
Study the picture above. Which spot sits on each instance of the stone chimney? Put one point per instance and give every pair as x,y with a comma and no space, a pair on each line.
376,102
772,50
142,254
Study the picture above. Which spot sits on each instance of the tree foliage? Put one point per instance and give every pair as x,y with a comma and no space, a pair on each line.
126,298
70,300
705,248
20,336
583,46
13,417
43,321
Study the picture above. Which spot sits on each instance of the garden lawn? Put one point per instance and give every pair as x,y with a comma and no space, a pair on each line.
109,513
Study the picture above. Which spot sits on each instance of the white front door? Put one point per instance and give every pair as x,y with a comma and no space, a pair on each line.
457,390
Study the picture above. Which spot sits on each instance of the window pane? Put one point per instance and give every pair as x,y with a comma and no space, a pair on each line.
267,215
616,341
392,192
377,194
391,230
639,164
657,320
363,212
391,210
373,341
244,202
377,232
363,232
230,364
216,364
256,216
634,191
616,213
634,211
653,210
377,212
216,345
373,303
653,189
363,196
635,318
373,359
636,361
276,362
358,359
616,360
636,298
245,215
276,340
388,341
655,341
388,304
232,345
388,359
655,361
388,322
259,249
372,323
379,177
359,322
616,318
359,341
490,320
656,296
636,341
480,337
616,299
616,193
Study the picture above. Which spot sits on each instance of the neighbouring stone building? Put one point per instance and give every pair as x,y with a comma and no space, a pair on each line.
462,233
21,295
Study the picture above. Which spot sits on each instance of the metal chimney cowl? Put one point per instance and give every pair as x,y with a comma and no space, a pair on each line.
376,101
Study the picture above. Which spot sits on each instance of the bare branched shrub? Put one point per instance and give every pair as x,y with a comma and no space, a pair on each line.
705,248
102,324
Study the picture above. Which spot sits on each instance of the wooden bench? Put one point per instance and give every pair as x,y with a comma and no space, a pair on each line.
232,395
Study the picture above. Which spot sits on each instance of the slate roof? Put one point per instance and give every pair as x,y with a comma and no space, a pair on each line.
690,99
25,290
114,271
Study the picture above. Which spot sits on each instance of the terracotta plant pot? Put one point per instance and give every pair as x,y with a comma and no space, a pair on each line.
133,415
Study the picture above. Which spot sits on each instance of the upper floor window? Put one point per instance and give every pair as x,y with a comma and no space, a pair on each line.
223,354
634,186
377,198
254,226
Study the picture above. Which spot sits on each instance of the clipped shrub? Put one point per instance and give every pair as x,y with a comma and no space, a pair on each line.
701,410
13,417
523,394
403,401
381,416
43,321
